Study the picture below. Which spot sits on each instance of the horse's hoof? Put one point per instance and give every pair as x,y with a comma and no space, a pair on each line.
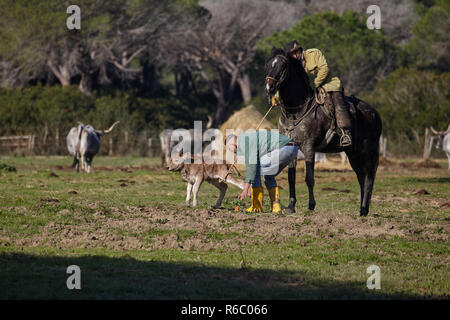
289,210
363,212
312,206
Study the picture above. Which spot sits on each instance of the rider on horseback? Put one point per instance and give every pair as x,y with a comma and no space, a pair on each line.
316,67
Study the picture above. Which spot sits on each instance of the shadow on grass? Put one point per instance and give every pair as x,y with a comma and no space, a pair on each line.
24,276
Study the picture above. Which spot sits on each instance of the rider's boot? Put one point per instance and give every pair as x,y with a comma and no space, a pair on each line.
343,120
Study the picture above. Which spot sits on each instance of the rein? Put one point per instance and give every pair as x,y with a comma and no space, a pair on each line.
283,75
311,104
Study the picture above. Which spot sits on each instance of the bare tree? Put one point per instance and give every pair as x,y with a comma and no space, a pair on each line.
222,52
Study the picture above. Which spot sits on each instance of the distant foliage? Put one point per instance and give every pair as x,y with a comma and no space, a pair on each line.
409,100
354,53
48,111
430,46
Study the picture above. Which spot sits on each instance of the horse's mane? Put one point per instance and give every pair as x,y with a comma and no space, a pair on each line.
295,63
275,52
298,67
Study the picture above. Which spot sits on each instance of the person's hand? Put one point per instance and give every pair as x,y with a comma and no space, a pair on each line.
246,192
276,101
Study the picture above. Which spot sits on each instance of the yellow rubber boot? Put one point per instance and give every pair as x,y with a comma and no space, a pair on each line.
274,194
257,200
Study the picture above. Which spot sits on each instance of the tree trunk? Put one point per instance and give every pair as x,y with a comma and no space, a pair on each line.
219,117
86,84
60,72
244,84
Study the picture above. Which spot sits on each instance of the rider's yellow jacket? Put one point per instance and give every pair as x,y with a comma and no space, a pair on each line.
318,72
316,68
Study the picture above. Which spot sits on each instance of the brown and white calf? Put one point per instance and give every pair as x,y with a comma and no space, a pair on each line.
195,173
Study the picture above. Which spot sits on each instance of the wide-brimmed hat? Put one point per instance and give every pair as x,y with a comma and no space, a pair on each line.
292,47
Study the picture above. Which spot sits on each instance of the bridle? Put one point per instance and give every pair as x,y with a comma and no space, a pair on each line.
283,75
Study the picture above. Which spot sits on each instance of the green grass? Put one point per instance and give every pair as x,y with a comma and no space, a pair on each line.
127,228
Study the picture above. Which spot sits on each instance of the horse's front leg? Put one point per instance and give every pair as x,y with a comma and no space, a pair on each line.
309,177
291,179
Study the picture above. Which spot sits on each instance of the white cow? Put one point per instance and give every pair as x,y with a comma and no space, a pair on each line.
83,142
443,141
167,145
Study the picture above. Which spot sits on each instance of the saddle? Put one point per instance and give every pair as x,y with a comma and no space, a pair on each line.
323,101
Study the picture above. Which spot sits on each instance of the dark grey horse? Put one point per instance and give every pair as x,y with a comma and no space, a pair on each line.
307,123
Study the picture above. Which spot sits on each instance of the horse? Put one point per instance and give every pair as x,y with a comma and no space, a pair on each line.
311,126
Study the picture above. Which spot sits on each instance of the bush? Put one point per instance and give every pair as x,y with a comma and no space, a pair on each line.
50,111
409,101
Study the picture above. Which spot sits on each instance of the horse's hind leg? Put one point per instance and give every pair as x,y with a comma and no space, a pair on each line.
358,166
365,169
291,179
371,164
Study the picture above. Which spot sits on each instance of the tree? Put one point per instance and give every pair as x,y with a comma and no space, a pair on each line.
397,16
410,100
112,38
430,46
222,52
357,55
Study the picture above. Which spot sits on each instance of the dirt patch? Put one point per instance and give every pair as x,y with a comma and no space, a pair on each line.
384,162
127,169
389,165
149,228
424,164
445,205
422,191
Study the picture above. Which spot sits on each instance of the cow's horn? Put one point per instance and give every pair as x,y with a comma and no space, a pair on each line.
110,129
448,130
436,133
210,122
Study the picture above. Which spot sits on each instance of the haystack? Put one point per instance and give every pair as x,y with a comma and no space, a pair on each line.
244,119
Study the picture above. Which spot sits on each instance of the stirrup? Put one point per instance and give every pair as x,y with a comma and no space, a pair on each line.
345,140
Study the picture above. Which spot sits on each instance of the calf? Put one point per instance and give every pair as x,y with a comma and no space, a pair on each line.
195,173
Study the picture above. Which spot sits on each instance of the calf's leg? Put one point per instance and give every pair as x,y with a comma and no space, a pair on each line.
195,188
188,195
222,186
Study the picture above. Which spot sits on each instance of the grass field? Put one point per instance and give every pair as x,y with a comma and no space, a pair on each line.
125,225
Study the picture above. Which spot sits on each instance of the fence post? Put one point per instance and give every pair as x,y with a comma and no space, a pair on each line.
57,140
383,144
44,139
150,147
110,147
32,142
428,143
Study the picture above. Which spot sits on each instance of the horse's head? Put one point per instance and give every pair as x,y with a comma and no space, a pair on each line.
276,71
